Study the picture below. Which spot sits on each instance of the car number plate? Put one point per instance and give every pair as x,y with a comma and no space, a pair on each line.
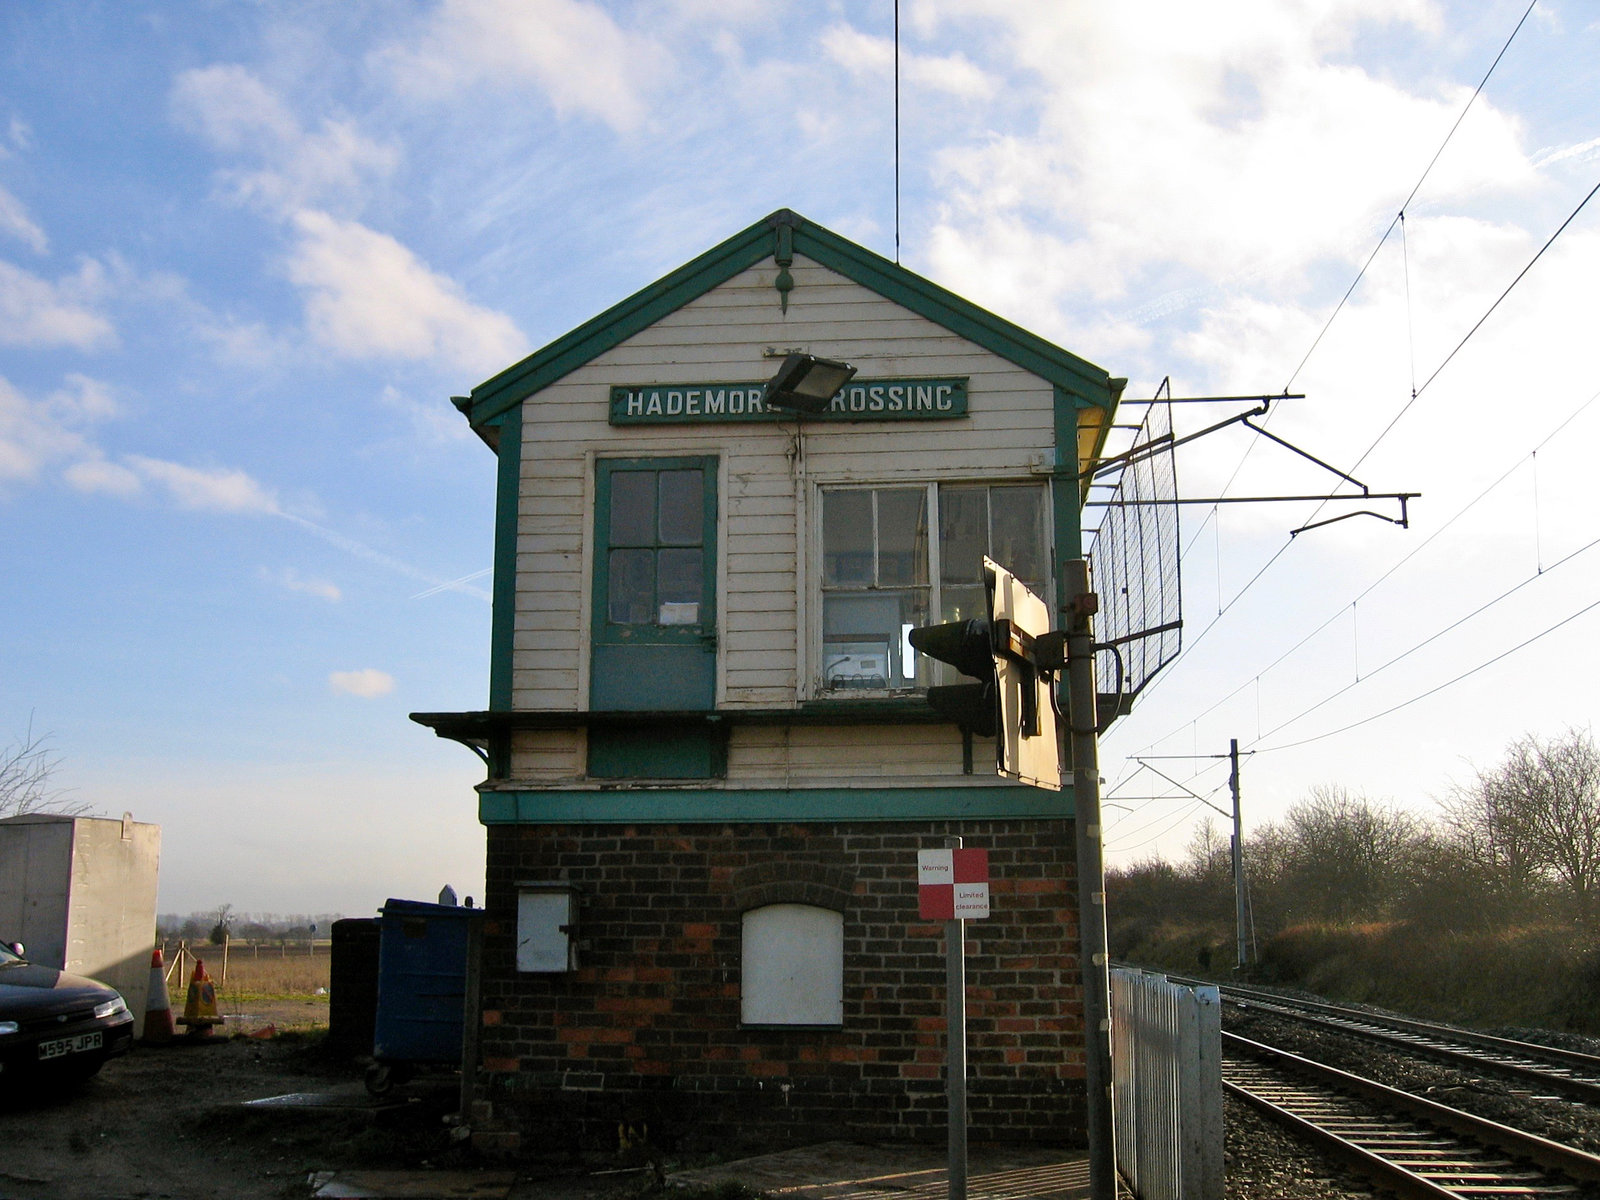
70,1045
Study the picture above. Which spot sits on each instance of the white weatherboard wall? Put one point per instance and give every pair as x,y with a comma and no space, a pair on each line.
767,488
80,894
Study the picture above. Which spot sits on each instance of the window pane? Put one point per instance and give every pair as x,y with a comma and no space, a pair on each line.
964,602
846,538
630,596
963,534
678,578
902,537
1016,538
864,638
633,508
682,500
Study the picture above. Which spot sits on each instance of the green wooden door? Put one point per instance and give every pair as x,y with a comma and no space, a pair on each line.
655,595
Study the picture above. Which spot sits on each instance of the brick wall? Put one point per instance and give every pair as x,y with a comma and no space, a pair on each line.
646,1034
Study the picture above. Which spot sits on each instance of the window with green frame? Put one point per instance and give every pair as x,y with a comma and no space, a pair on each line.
884,572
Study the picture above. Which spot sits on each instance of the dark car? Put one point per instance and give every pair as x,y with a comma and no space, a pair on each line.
54,1025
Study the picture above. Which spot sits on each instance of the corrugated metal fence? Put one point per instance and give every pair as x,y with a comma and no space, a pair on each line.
1166,1063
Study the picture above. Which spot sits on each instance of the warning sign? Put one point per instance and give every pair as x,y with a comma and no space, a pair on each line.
952,885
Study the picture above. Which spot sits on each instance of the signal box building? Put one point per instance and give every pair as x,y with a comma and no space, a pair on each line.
711,758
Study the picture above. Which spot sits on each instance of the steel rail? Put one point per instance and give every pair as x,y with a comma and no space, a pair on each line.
1569,1071
1416,1147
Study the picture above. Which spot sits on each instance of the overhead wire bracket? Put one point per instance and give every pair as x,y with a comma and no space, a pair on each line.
1166,443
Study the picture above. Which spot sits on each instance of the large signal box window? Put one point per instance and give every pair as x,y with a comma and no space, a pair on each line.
884,572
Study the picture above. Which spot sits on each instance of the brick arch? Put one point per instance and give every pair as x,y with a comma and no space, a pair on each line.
790,881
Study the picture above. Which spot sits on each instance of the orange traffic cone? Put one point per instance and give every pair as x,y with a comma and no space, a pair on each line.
200,1009
158,1005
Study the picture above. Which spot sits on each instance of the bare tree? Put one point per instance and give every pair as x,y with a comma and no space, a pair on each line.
1536,816
27,770
1210,855
1344,856
1495,827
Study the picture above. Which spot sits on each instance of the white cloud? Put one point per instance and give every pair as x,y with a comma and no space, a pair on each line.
368,296
231,108
37,433
581,59
430,421
1581,152
99,476
19,133
14,220
84,399
368,683
57,432
290,580
862,54
1172,146
35,312
215,489
247,344
234,112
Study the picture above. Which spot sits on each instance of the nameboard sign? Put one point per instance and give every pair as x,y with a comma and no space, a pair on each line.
858,400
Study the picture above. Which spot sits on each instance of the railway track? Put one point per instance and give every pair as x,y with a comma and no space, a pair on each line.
1409,1145
1543,1069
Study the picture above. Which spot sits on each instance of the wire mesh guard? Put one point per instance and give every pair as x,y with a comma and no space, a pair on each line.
1134,564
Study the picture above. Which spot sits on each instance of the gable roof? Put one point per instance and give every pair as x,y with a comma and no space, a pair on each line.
783,233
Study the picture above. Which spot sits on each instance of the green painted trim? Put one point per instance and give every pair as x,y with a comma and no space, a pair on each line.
601,628
620,322
683,806
1064,494
943,307
508,492
754,245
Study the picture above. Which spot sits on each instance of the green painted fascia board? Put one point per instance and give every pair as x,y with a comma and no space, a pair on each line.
960,316
1064,492
508,493
682,806
621,321
744,250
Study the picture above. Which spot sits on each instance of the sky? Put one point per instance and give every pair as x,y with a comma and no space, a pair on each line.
249,250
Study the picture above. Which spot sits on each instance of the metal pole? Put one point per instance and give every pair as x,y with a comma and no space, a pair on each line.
1081,604
1238,858
955,947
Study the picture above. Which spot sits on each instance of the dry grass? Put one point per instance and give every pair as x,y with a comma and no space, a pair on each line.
261,973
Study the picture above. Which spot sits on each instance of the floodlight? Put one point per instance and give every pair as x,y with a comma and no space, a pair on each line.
806,383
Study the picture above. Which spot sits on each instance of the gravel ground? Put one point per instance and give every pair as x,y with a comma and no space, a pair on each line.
1264,1162
166,1124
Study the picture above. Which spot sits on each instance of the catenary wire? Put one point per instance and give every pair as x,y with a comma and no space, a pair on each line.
1124,847
1567,620
1412,195
1418,549
1405,408
1417,393
1398,220
1433,637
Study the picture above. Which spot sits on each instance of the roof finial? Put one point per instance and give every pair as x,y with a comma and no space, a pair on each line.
785,257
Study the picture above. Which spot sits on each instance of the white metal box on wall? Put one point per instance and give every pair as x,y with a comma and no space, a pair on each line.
80,894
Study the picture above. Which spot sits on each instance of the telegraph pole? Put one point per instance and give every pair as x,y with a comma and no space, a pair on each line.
1240,896
1238,858
1084,721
